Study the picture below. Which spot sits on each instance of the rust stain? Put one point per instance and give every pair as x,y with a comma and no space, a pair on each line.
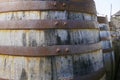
71,6
49,50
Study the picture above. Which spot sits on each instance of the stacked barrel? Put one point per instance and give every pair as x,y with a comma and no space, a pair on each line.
116,45
107,47
50,40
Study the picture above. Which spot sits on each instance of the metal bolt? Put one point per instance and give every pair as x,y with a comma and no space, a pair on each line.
64,4
58,50
67,50
55,4
65,23
56,23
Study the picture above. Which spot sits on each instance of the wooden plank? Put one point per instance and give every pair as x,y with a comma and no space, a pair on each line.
106,46
105,34
55,67
29,15
62,65
85,63
108,64
24,68
84,36
49,37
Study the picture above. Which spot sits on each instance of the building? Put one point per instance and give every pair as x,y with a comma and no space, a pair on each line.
115,22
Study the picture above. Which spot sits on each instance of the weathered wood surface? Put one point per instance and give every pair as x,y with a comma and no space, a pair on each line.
62,65
107,44
48,68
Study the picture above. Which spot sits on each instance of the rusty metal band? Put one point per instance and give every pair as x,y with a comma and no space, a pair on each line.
105,38
49,50
107,50
3,79
42,0
48,6
92,76
89,1
102,19
47,24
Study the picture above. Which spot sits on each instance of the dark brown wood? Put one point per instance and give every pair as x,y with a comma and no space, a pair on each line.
49,50
93,76
48,5
47,24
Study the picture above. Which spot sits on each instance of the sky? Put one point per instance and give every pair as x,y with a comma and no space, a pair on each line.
104,7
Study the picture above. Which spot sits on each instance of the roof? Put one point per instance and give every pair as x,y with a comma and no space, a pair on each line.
117,14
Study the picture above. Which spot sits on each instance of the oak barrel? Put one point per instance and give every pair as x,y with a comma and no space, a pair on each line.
109,60
50,40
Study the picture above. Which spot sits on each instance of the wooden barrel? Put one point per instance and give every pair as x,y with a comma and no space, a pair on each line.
50,40
105,36
116,47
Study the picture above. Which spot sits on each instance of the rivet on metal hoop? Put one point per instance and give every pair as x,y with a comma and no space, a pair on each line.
58,50
56,23
55,4
67,50
64,4
64,23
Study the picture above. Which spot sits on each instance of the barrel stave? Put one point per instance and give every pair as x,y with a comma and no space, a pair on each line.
107,47
61,67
